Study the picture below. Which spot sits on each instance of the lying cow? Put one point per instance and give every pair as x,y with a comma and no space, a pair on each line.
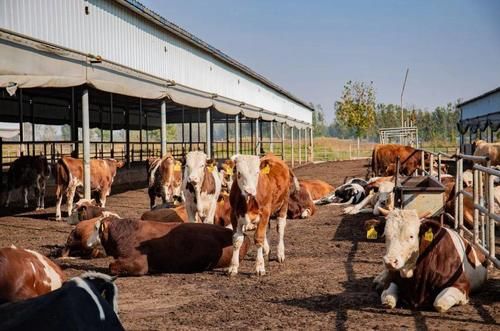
427,264
201,187
352,192
262,189
88,302
380,196
174,214
164,179
69,176
26,274
384,158
491,150
318,189
300,203
26,172
141,247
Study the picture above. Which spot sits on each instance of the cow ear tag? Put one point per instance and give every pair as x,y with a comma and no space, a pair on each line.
428,236
266,170
177,166
229,171
371,233
210,168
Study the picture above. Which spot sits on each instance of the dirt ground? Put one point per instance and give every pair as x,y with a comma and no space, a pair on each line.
325,282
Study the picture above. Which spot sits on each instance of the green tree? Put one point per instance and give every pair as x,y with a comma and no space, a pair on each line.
356,108
319,125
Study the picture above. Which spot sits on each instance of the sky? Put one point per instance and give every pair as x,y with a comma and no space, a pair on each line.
311,48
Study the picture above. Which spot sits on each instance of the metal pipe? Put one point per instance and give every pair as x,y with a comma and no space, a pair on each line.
21,123
163,136
458,178
422,162
257,137
271,125
86,143
237,133
312,143
283,141
460,197
431,165
111,125
300,147
208,134
291,138
140,129
491,221
476,201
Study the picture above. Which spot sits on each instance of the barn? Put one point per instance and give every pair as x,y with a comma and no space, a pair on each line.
145,85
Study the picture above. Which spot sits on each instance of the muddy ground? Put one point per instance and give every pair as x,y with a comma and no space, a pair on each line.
325,282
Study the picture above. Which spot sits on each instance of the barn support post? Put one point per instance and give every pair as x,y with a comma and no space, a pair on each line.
257,137
32,109
21,123
299,142
126,113
292,153
1,163
140,129
283,141
312,143
227,137
111,126
182,131
86,143
209,134
74,126
163,136
237,133
271,138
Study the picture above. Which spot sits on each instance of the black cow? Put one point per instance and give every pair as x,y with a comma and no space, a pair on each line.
88,302
26,172
351,192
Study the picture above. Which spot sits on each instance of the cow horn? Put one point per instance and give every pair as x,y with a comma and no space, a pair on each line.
383,211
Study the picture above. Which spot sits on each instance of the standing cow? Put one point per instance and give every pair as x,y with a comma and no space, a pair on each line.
384,158
427,264
491,150
164,179
201,187
263,189
69,176
26,172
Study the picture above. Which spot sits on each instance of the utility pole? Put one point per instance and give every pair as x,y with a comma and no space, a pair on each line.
401,105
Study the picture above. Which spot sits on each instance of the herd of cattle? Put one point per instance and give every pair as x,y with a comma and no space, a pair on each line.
202,221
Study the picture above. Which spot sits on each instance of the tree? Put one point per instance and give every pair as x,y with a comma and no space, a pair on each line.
319,126
356,108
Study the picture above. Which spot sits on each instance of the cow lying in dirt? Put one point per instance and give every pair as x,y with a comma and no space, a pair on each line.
318,189
300,204
26,274
351,192
27,172
380,195
427,264
141,247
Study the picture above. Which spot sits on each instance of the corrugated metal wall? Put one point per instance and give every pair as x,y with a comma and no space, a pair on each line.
120,35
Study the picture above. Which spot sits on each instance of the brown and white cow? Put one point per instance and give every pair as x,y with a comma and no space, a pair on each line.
26,172
427,264
384,158
141,247
69,176
300,203
201,187
226,175
164,179
262,189
317,188
380,194
491,150
26,274
174,214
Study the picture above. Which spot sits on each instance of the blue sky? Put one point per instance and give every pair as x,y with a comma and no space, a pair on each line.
311,48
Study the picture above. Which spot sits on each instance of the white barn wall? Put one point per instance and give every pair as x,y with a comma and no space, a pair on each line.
122,36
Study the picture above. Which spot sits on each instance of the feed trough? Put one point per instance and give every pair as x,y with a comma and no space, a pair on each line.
422,193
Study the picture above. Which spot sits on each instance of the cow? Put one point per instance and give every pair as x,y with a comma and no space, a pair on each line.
142,247
174,214
262,189
25,172
300,203
351,192
380,196
201,187
87,302
491,150
164,179
226,175
69,176
26,274
384,158
317,188
427,264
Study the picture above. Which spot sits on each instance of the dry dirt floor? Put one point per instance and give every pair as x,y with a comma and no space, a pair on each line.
325,282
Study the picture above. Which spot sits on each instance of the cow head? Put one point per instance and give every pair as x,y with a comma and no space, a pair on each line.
194,172
226,174
385,198
100,232
103,284
177,182
84,209
247,173
402,241
119,164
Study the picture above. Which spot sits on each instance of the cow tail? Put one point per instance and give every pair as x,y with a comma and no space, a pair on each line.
62,173
294,183
374,161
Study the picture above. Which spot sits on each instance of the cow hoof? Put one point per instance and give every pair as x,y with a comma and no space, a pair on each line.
232,271
389,301
441,308
260,271
281,254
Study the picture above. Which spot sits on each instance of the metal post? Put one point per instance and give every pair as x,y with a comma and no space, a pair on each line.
460,184
182,130
127,137
271,138
32,108
306,156
491,210
422,163
312,143
140,129
485,188
21,123
208,134
227,137
439,167
458,178
257,137
291,138
86,143
163,137
237,133
476,201
1,163
283,141
74,124
300,146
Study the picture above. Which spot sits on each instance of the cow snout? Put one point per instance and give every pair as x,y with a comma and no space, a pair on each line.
392,263
193,179
251,191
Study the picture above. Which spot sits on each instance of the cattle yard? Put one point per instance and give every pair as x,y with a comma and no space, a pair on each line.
325,282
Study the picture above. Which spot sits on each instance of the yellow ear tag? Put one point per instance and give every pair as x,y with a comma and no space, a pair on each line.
210,168
177,166
229,171
371,233
266,170
221,201
428,236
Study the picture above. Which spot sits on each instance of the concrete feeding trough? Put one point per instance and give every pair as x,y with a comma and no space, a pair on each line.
422,193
